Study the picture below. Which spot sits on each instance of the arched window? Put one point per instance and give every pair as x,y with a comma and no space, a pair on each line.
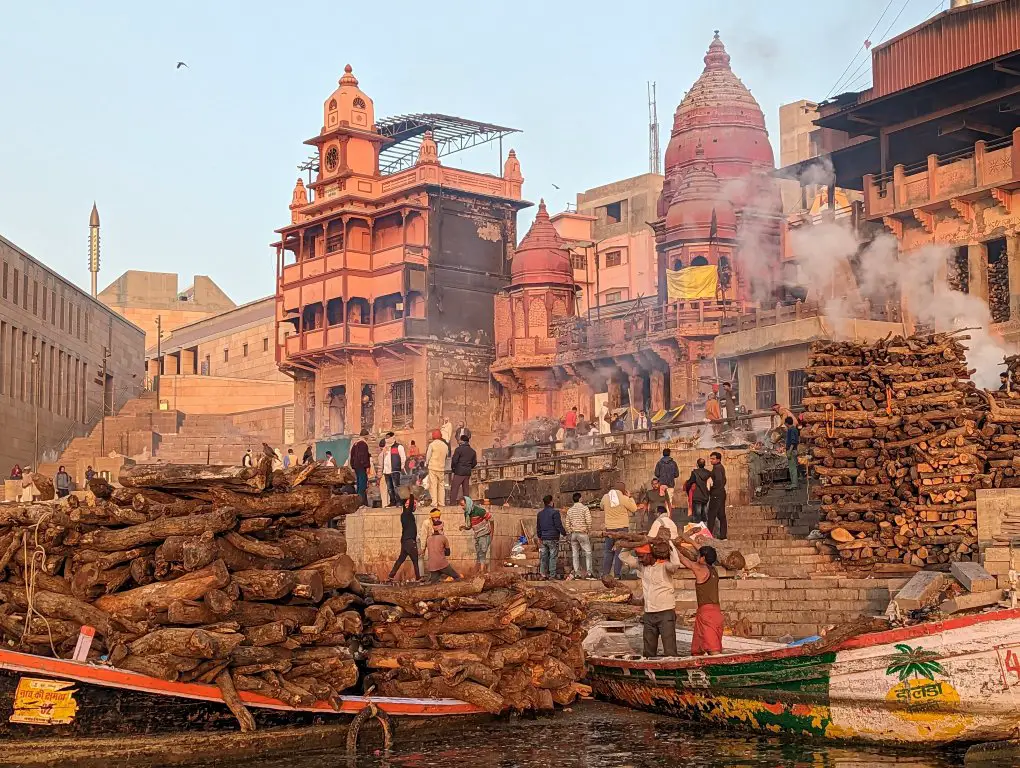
335,311
359,103
699,261
678,264
332,104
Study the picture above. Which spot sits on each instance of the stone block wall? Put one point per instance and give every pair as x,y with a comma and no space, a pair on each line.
219,394
995,505
373,537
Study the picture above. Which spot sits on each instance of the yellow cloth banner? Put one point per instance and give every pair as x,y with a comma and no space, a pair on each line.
692,283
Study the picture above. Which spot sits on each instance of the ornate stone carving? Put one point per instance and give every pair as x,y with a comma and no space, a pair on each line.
893,225
925,219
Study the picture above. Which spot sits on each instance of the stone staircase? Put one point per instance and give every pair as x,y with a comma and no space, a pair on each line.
207,439
141,431
799,591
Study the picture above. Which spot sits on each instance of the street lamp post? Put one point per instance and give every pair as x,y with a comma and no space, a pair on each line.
35,400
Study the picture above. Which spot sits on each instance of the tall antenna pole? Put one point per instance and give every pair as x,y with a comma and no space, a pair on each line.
654,165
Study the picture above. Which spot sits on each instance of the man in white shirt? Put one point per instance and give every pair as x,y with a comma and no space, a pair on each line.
656,574
663,525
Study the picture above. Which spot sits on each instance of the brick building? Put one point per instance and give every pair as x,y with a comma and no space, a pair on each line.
53,338
386,277
224,363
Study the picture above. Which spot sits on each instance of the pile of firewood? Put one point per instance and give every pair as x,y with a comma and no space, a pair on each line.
895,430
494,640
222,575
998,289
233,576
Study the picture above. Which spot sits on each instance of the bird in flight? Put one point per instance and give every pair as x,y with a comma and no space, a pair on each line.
182,64
554,185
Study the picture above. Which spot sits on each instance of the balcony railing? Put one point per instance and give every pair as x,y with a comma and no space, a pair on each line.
339,258
355,335
761,318
686,318
943,177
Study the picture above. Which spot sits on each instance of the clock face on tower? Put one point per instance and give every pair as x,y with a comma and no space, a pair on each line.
332,159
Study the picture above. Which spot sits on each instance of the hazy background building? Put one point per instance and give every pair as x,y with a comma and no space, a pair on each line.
53,339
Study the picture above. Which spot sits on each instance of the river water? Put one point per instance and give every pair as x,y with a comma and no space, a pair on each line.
598,735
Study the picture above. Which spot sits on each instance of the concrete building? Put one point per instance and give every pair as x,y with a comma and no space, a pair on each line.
225,363
768,349
141,297
386,278
612,246
53,341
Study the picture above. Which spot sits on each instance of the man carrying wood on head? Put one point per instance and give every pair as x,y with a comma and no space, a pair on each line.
655,564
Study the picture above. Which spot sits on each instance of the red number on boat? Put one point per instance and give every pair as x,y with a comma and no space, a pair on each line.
1013,663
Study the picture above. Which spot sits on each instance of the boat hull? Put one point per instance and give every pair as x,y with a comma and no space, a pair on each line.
954,681
96,701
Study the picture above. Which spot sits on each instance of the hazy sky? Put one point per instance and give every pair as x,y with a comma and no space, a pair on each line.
193,169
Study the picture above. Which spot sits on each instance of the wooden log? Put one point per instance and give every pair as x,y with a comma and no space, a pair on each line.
229,692
170,476
408,597
473,621
254,546
265,585
164,666
112,540
391,658
186,642
841,535
247,614
292,502
136,604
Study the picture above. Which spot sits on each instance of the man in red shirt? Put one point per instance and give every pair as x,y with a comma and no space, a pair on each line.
570,423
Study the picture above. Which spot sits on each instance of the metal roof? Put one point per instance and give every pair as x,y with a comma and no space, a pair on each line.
451,134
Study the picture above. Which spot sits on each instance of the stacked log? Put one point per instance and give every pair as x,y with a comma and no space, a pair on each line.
893,430
221,575
998,289
233,576
494,640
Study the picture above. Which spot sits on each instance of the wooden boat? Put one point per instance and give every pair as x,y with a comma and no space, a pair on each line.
47,698
956,680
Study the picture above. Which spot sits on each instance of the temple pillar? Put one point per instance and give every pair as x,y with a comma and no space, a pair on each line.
188,362
637,392
657,387
1013,265
615,393
172,365
977,270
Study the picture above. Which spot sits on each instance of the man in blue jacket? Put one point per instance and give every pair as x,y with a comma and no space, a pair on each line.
792,444
666,472
549,529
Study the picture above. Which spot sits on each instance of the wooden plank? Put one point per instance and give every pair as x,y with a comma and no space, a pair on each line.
971,600
920,590
973,576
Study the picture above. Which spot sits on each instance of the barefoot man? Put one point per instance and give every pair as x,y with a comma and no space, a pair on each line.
708,622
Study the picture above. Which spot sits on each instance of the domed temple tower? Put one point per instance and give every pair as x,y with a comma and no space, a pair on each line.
386,275
718,205
541,291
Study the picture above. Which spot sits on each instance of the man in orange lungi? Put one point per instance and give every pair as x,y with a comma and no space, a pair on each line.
708,622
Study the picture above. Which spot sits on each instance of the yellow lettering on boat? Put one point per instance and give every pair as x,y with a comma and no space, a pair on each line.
930,703
44,702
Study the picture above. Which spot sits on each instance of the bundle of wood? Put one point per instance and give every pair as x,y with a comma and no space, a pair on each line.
193,573
495,641
893,430
1001,429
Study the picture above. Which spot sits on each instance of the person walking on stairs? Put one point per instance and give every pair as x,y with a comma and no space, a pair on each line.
408,540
